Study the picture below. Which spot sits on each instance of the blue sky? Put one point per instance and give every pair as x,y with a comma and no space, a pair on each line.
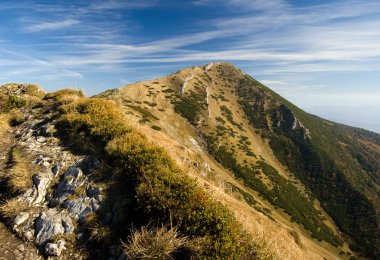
322,55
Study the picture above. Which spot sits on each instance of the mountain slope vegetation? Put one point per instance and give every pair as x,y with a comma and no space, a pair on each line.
203,163
323,175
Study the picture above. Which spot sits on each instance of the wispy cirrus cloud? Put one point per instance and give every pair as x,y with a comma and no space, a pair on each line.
55,25
274,40
110,5
247,4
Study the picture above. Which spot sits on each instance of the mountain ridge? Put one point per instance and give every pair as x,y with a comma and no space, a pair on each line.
274,166
284,119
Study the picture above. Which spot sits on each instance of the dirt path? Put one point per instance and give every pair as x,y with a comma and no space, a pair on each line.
11,247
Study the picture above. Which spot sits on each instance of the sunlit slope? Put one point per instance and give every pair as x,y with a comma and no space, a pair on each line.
297,169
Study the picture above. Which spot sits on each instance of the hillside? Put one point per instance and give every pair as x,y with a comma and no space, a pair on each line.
206,161
311,168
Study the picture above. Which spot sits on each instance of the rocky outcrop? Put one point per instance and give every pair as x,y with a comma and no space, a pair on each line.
62,194
50,223
188,78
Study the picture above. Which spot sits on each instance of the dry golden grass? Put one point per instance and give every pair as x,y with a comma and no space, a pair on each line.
273,238
151,242
98,231
102,118
64,96
19,176
4,124
9,209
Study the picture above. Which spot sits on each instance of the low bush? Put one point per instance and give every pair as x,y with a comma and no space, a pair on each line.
10,102
155,127
15,102
96,118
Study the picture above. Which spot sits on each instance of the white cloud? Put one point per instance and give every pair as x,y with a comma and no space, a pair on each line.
110,5
247,4
51,25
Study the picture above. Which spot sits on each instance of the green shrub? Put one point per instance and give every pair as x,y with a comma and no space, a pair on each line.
156,127
63,97
98,118
143,111
221,120
190,106
16,102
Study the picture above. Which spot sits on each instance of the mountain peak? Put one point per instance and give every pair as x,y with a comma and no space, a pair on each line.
252,131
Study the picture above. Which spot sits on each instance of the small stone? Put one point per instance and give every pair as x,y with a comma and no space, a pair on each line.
46,164
78,208
29,235
21,218
49,195
41,139
94,204
99,198
47,130
21,248
93,191
55,249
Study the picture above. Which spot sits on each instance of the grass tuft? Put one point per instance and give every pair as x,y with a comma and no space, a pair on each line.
153,243
9,209
98,232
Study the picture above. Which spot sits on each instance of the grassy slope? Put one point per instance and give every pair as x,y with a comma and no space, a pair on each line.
82,116
334,180
165,93
152,188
